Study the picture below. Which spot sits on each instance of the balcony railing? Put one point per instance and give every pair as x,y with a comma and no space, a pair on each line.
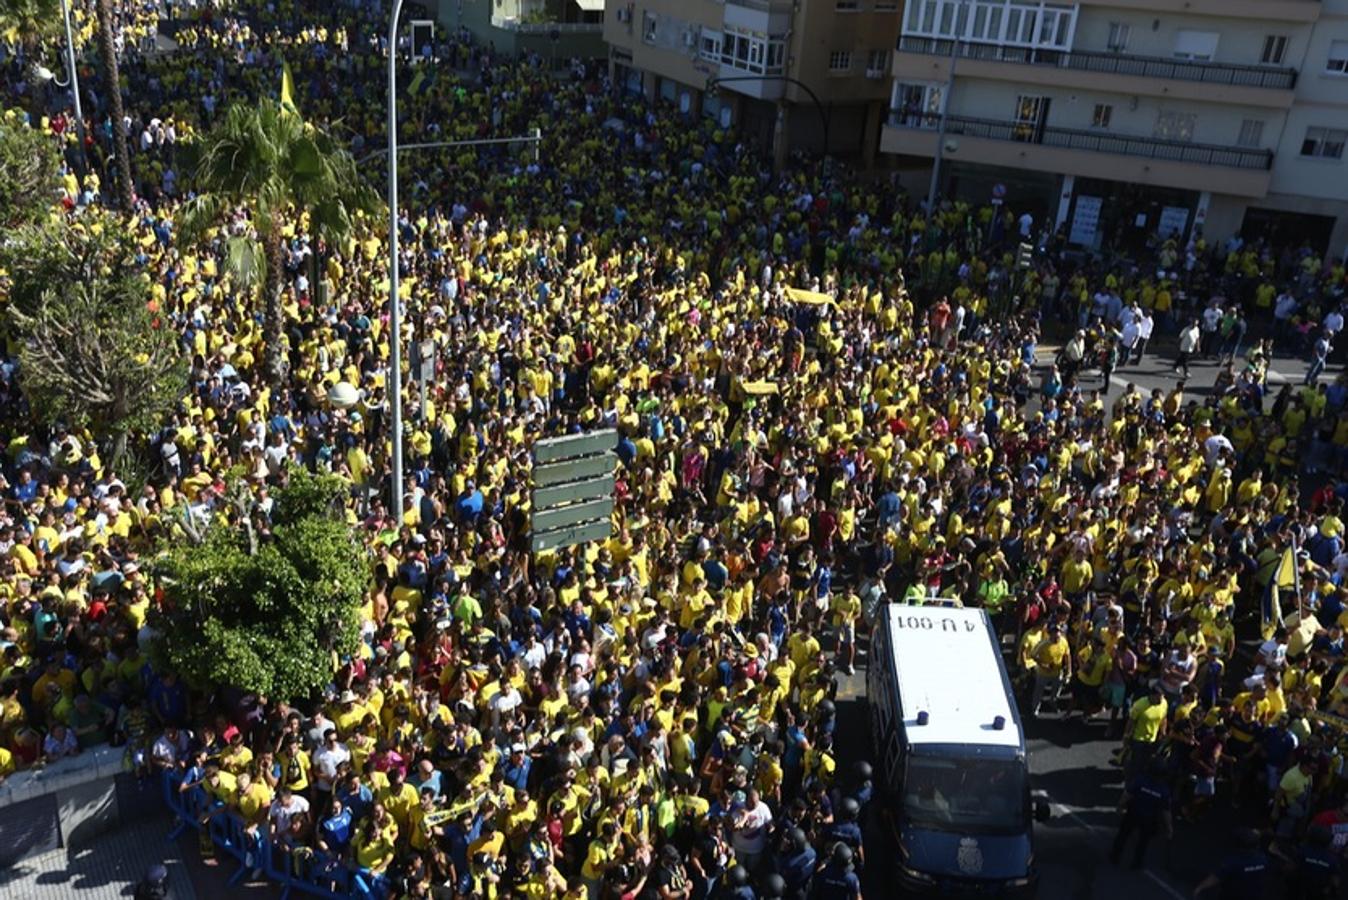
1093,141
1112,63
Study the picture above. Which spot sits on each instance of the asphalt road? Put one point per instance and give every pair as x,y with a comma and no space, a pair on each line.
1070,762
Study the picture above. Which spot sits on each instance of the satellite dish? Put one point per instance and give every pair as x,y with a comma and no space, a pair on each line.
343,395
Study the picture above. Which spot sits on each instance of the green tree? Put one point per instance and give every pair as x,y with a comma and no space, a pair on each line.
30,23
263,603
30,165
269,161
91,352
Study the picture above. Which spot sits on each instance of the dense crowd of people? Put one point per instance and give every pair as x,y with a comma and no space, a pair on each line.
652,716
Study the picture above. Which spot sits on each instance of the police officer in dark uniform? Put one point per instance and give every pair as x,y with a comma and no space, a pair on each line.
837,881
796,865
736,885
845,829
1242,876
1314,866
1146,813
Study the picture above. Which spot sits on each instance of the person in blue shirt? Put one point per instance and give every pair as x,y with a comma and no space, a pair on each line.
1146,812
168,700
354,796
516,768
334,834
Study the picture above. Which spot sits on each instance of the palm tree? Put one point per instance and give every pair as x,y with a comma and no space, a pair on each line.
272,163
35,22
112,85
29,23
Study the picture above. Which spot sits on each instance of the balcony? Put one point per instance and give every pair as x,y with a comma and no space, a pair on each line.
1093,154
1224,74
1286,11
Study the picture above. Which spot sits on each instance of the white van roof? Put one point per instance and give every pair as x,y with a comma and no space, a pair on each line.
948,665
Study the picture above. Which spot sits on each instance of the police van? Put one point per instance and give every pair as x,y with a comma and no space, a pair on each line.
952,769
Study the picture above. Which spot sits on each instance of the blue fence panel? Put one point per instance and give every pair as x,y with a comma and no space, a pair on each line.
311,873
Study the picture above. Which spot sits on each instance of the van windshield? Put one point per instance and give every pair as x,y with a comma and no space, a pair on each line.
962,794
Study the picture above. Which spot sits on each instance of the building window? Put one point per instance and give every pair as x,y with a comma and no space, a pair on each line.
1118,36
648,27
1324,143
840,61
1175,126
1199,46
752,51
1103,113
847,5
1338,58
917,105
710,49
1013,23
877,62
886,5
1251,133
1275,48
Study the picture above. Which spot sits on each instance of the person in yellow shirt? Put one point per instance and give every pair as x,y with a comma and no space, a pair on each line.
1052,666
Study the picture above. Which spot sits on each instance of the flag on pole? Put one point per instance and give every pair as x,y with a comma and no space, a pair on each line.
419,81
1284,577
288,91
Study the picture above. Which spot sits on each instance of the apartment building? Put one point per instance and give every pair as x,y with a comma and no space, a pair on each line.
1118,118
790,73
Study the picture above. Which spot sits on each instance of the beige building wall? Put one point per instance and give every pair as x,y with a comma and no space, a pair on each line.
1242,76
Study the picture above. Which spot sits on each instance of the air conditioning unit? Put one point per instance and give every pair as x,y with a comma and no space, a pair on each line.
624,14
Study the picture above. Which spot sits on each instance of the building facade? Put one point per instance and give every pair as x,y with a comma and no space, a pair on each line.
1118,118
554,29
791,74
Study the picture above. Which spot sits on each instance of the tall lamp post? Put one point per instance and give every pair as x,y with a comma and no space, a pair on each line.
945,109
72,82
394,313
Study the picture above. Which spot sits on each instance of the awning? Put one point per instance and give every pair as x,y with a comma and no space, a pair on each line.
591,5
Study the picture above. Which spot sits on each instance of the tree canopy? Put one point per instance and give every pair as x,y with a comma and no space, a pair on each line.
265,601
91,351
30,164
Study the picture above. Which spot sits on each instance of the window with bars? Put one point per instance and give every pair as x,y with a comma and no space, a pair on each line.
840,61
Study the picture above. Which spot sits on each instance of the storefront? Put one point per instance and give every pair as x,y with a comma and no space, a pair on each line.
1123,217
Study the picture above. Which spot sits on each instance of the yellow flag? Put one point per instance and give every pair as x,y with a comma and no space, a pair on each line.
288,91
1286,575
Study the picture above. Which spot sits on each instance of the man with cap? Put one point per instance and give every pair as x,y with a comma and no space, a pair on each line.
154,886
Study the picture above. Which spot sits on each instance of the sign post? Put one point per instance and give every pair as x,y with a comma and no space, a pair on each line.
572,489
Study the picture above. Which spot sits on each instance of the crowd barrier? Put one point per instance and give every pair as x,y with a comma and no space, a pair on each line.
310,872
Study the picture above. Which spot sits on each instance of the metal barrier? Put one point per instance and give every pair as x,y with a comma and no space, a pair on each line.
311,872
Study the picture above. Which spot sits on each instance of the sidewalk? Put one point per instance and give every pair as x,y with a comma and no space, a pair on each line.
110,868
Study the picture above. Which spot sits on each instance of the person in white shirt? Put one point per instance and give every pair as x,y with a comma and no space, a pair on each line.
1145,325
1188,344
285,807
327,758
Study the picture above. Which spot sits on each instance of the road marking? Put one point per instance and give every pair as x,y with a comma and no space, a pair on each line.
1067,812
1164,885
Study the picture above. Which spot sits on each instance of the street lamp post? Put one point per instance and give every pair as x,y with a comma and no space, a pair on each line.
73,82
395,314
940,128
